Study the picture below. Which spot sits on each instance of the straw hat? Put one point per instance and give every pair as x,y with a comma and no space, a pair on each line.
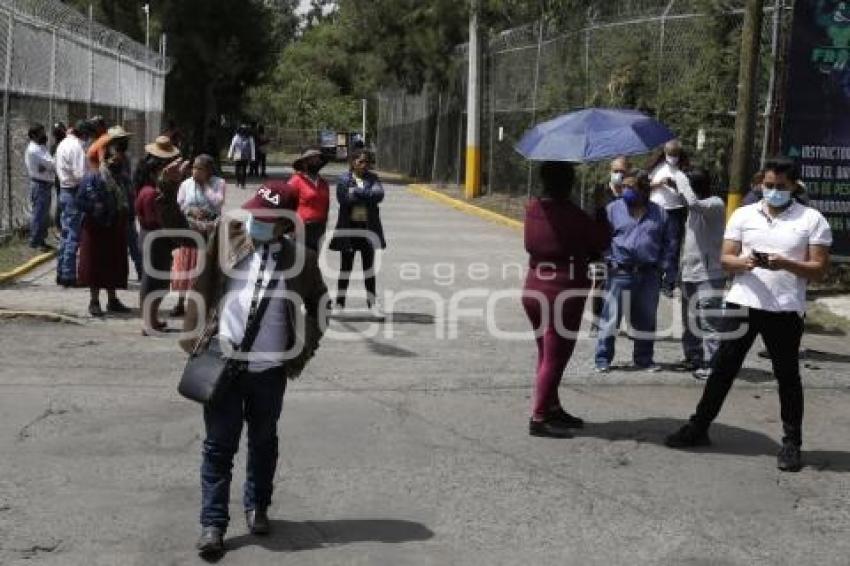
162,148
116,132
298,164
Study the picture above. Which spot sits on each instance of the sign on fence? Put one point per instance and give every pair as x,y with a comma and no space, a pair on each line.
817,120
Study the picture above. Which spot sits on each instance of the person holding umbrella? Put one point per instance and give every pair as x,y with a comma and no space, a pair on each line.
560,239
641,259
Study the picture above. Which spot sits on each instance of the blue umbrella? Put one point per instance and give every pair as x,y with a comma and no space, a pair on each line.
593,134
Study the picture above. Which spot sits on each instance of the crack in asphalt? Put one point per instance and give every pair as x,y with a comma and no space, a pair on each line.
24,432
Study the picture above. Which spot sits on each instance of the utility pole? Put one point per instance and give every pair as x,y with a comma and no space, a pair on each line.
745,120
363,128
473,108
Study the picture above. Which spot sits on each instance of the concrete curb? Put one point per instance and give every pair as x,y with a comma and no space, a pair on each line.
394,178
38,315
26,267
425,192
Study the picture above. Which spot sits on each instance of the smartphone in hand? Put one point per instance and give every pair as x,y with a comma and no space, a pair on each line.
762,259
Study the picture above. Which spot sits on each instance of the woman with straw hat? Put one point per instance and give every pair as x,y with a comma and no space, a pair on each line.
104,235
157,155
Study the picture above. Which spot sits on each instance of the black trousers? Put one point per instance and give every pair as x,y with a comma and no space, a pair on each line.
241,172
781,333
367,255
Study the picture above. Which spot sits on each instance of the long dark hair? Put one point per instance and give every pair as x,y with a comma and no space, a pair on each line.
147,171
557,178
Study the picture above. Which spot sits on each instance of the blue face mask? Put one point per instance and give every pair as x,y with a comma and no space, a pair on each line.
632,196
260,231
776,198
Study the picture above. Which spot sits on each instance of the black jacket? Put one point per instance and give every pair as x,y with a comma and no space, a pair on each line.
349,196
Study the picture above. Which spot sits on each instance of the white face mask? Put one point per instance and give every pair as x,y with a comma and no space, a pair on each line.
673,160
617,178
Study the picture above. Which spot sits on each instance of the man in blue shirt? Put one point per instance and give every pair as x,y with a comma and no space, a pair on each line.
642,260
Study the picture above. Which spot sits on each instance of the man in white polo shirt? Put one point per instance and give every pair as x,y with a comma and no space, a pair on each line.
773,248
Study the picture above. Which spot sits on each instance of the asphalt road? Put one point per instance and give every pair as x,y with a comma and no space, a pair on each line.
406,444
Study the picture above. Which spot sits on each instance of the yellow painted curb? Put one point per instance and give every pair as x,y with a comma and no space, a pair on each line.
27,267
457,204
393,178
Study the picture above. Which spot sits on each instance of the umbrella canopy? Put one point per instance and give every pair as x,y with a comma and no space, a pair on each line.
593,134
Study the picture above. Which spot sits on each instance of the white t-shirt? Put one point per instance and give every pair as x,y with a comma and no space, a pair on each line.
39,162
70,162
665,196
267,351
790,234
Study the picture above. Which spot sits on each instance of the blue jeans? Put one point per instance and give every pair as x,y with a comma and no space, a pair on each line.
257,398
642,290
71,218
40,196
701,339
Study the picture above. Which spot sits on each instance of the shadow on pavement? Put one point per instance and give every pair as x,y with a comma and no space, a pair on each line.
289,536
725,439
390,318
381,348
821,356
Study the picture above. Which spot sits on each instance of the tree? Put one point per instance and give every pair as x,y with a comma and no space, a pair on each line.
219,48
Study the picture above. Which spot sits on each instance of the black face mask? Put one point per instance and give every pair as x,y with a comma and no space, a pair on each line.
41,140
313,169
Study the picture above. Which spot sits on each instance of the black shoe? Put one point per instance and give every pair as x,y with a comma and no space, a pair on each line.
211,544
95,310
550,428
565,418
688,436
789,458
688,365
117,307
67,283
258,522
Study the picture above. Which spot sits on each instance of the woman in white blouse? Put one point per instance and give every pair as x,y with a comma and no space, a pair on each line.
200,198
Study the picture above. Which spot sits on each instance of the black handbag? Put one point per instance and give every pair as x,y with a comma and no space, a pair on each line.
210,373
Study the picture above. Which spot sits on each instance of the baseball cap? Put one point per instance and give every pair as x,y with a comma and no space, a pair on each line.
271,198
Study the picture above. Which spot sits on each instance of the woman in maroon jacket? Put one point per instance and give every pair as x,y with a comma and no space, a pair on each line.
560,240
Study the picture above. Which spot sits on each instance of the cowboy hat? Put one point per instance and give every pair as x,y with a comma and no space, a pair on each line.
162,148
308,153
116,132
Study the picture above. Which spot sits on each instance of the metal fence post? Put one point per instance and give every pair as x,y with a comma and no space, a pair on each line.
6,174
437,136
52,97
534,94
120,108
91,58
770,105
661,39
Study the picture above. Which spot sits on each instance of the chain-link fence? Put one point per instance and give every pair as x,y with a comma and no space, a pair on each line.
60,65
675,59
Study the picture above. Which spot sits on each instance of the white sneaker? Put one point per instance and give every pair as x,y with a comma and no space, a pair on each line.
652,368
